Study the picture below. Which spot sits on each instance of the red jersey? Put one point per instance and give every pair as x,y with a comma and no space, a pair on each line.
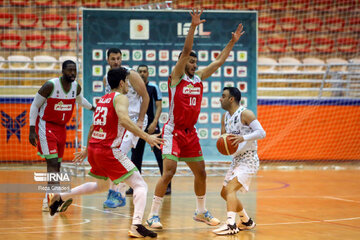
107,130
185,102
59,106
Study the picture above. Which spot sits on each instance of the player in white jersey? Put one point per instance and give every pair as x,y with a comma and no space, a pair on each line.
139,101
245,129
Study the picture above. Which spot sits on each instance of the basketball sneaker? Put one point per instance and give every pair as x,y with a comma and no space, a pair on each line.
65,205
227,229
154,222
206,217
139,231
247,225
114,200
45,206
54,202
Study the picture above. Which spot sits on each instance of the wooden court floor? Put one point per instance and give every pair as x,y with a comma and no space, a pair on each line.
301,204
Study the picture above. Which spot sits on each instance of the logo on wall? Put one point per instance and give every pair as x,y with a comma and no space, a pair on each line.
203,133
242,86
229,84
242,56
150,55
164,55
214,55
241,71
243,101
203,118
217,73
97,55
205,102
98,86
231,57
152,71
216,86
125,55
139,29
215,133
203,55
183,29
97,70
215,117
163,85
229,71
137,55
165,102
13,126
164,116
205,86
175,55
163,71
215,102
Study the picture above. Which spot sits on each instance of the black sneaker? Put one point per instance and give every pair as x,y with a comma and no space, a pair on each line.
247,225
65,205
130,191
54,202
139,231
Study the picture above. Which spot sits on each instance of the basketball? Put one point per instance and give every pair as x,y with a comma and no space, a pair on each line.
224,146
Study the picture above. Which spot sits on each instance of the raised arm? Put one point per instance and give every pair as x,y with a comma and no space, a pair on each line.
209,70
139,86
179,69
82,101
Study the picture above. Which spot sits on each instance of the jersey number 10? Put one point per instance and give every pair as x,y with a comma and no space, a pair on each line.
192,101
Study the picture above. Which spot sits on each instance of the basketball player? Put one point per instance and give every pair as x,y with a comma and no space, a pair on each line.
245,129
139,101
50,111
111,122
182,143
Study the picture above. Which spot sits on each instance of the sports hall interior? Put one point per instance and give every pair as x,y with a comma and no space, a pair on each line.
308,98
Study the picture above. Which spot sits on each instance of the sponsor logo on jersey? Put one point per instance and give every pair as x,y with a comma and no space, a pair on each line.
183,29
99,134
60,106
190,89
104,100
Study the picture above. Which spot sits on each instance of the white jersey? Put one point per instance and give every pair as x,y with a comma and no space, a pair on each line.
134,99
233,125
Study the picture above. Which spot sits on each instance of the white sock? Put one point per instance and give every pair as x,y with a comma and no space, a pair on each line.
155,207
231,217
200,204
136,182
121,188
243,215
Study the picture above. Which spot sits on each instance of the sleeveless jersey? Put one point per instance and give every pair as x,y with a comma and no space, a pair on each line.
234,126
134,99
185,102
59,106
105,122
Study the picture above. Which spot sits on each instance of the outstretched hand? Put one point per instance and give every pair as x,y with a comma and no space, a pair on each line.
238,33
80,156
195,17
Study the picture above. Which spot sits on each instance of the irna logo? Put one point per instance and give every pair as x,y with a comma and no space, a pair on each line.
51,177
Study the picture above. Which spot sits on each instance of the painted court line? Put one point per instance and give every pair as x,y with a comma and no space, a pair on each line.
103,211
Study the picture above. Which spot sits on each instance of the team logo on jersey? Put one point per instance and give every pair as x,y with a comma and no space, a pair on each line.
139,29
99,134
60,106
242,56
13,126
190,89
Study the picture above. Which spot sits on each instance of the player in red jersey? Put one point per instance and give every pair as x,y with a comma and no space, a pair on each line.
182,143
51,109
110,123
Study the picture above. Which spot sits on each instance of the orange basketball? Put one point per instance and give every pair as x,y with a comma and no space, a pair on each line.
224,146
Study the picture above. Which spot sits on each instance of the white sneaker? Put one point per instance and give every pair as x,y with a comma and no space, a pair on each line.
45,207
227,229
154,222
247,225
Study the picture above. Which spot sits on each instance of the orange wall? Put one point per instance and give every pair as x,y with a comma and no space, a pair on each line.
15,149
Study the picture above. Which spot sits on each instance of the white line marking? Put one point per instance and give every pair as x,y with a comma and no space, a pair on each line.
340,199
60,225
103,211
